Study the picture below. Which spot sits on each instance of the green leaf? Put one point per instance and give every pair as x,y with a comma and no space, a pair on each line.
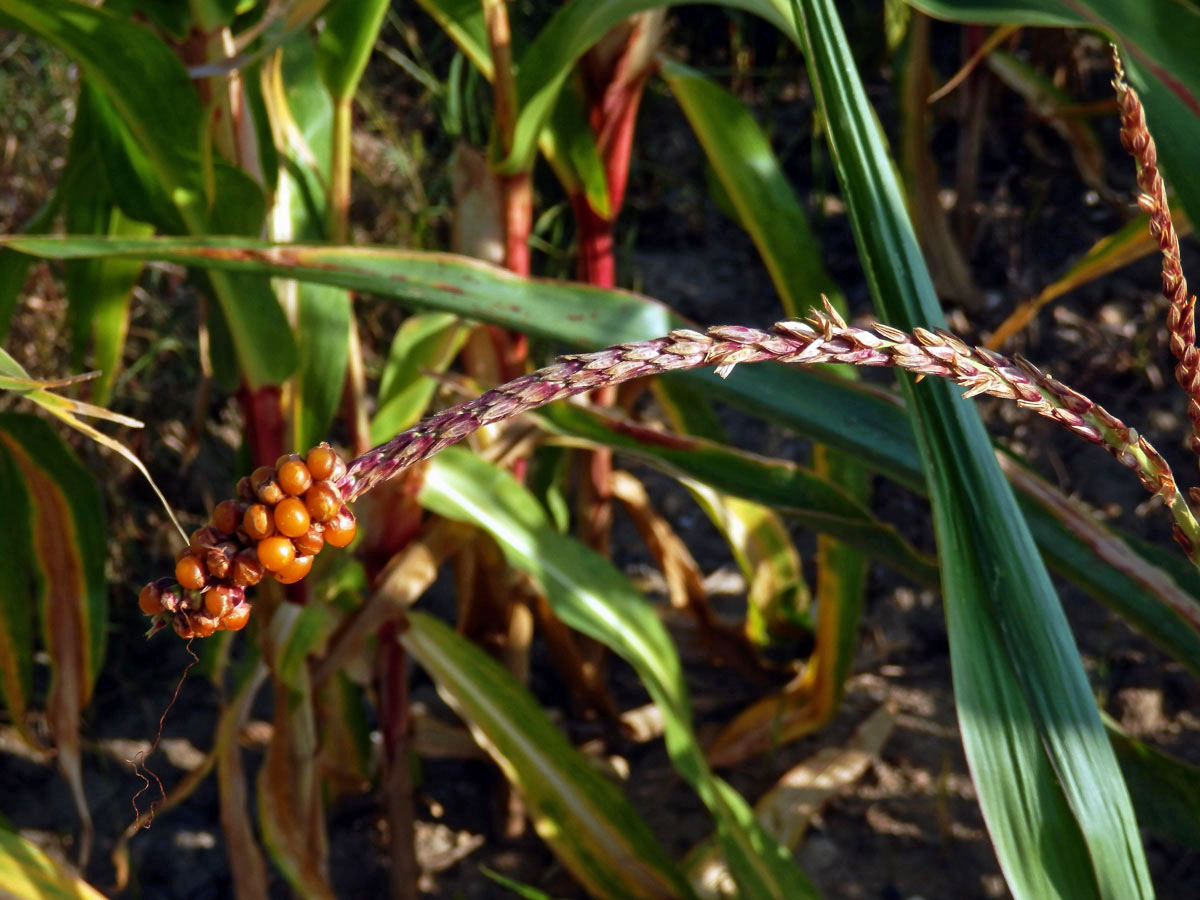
163,133
521,890
544,67
1038,753
301,107
569,145
67,528
588,594
1165,790
767,207
462,20
584,817
813,501
566,140
18,595
346,41
15,378
766,204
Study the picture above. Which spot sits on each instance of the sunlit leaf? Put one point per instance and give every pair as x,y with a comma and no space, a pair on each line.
585,818
68,411
302,115
66,527
26,873
588,594
1038,753
346,41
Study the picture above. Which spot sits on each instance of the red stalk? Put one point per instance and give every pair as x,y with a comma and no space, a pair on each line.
615,74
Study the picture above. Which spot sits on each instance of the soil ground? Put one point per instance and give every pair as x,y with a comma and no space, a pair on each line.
910,827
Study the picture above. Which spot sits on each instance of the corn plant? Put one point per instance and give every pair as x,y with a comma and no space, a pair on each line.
244,131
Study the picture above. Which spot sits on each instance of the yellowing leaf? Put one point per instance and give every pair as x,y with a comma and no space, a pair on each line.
26,873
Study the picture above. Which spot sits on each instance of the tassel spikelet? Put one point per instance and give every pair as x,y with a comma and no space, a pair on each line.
1181,318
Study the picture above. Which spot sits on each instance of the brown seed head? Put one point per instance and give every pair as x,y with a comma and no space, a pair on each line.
236,618
204,539
295,570
322,462
150,599
221,599
219,560
203,625
245,490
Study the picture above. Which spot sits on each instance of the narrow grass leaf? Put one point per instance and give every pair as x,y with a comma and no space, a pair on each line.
1166,791
1033,737
588,594
767,206
800,493
583,816
67,528
545,65
27,872
566,139
345,43
301,114
18,596
68,411
521,890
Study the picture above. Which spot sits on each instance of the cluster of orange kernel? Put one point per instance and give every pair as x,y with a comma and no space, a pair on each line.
282,517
